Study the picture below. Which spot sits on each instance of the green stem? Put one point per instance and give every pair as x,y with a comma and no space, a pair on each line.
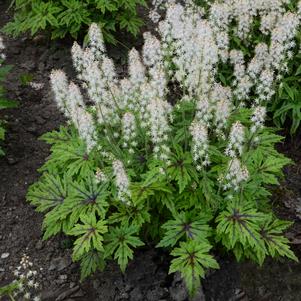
11,297
185,132
122,44
113,96
110,136
228,168
11,5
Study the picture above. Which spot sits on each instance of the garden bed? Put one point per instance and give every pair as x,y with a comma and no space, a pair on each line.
147,275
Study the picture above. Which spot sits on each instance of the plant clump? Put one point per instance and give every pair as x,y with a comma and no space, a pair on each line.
189,171
73,17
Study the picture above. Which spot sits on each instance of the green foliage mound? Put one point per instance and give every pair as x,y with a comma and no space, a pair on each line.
71,17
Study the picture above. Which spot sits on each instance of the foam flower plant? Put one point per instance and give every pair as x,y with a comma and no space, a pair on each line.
168,155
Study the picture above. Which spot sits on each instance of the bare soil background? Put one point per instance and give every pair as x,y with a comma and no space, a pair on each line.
147,275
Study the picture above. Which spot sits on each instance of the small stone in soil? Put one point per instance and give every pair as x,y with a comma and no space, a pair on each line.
78,294
67,293
63,277
155,294
32,129
59,263
96,284
136,294
178,293
39,245
11,160
4,255
40,120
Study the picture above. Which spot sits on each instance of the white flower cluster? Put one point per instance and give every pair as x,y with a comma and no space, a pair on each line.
258,119
122,182
204,110
269,60
236,140
100,176
26,279
98,74
159,5
70,101
243,12
129,131
37,86
136,69
282,39
154,14
96,41
159,127
191,44
2,47
59,85
215,109
237,173
221,98
153,59
200,144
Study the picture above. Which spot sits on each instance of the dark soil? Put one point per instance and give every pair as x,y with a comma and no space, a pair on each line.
147,276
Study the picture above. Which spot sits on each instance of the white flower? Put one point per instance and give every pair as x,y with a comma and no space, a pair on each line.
77,57
96,41
236,140
122,181
108,70
268,22
158,80
260,60
154,16
136,68
151,50
158,111
243,88
200,145
283,33
129,129
258,118
2,47
86,128
220,14
204,111
222,112
264,88
37,86
237,173
237,59
30,283
59,85
222,106
100,176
